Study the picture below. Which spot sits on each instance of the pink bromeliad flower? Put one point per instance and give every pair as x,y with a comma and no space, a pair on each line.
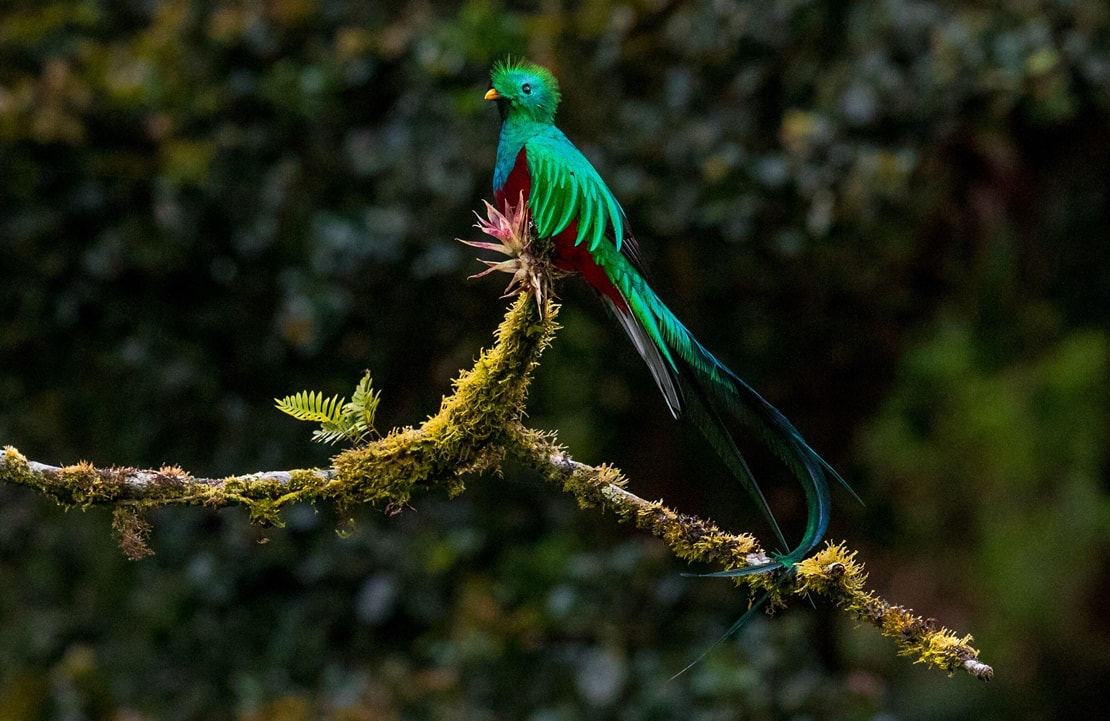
512,228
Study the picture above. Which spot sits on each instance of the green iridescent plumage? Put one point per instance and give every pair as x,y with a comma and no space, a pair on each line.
572,205
567,187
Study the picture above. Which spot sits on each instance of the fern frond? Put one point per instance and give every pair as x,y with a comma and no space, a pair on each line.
313,407
364,403
339,420
332,433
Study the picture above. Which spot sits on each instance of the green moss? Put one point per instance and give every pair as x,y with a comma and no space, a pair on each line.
468,433
307,480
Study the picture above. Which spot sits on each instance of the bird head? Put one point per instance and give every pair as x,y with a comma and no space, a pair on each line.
524,90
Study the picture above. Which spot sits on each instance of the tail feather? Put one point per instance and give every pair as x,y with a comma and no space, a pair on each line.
683,393
708,386
740,623
778,434
662,369
709,422
765,421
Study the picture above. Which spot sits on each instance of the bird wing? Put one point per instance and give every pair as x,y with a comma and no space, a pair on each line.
566,187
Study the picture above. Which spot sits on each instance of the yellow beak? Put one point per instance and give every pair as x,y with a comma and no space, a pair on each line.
492,94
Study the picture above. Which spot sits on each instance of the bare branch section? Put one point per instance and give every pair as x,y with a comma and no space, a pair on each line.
475,428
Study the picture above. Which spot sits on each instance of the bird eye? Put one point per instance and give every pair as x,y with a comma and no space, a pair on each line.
526,89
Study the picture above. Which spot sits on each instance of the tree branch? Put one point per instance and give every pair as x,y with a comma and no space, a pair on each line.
475,428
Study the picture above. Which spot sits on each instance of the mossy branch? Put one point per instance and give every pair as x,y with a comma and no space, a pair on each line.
475,428
466,436
832,574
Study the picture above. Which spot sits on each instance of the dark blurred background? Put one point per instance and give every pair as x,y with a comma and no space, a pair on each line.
890,217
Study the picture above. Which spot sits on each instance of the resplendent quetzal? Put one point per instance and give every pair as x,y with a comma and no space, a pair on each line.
570,203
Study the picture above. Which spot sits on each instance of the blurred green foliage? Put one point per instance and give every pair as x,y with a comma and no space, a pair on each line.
891,217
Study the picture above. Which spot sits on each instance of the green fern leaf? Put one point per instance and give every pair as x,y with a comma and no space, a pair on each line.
338,419
332,433
313,407
364,404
